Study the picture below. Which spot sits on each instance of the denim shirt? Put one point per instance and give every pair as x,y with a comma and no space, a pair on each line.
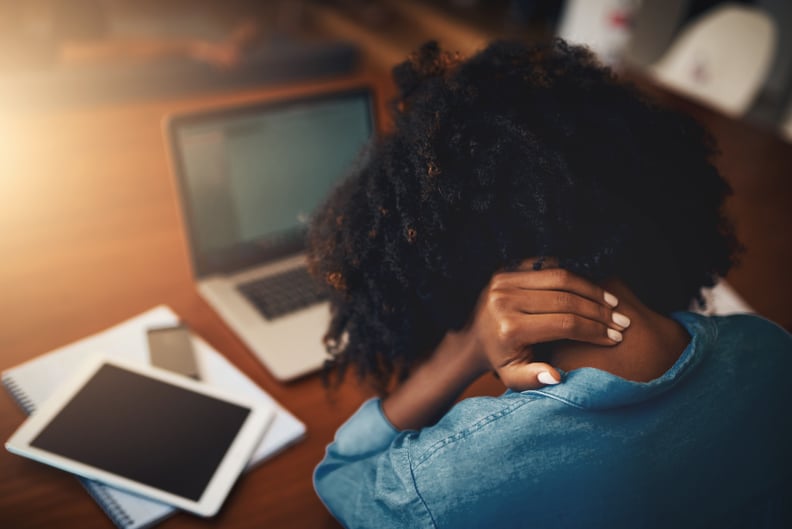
707,444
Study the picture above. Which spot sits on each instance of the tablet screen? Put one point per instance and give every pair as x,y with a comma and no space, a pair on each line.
146,430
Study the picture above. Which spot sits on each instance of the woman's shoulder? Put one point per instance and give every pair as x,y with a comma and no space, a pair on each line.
745,343
477,425
754,329
743,329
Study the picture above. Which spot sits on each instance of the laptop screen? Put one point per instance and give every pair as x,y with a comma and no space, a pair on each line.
250,177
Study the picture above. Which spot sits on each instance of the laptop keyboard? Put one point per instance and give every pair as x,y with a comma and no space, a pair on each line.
282,293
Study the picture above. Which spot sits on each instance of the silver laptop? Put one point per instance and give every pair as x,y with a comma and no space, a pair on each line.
249,178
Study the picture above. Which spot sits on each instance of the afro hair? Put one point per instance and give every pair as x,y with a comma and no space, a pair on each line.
519,151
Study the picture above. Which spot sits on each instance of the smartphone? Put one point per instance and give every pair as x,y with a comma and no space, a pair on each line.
171,348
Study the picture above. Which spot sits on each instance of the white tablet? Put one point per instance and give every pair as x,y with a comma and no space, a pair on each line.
148,431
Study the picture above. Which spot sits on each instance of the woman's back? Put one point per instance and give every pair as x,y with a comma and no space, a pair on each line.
707,444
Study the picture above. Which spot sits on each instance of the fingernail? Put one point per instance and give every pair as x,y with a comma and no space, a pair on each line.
615,335
546,378
620,319
611,300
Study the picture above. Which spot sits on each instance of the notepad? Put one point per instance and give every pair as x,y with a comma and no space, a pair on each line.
32,382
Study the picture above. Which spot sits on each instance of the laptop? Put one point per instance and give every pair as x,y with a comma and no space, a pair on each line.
248,179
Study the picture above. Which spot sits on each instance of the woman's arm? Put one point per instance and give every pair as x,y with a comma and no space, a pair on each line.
434,386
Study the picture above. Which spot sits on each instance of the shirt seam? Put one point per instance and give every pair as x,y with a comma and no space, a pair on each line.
556,397
478,425
418,492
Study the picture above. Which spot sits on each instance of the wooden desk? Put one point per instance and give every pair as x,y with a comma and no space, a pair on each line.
89,236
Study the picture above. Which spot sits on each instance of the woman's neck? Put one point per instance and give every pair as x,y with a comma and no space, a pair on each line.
651,344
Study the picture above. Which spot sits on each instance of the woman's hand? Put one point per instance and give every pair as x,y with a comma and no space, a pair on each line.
514,312
525,307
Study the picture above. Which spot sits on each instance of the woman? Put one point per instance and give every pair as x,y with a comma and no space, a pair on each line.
530,215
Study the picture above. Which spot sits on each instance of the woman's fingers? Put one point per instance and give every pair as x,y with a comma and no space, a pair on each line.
539,303
553,279
519,376
553,304
518,330
558,301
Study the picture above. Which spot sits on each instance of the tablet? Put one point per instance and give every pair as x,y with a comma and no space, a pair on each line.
147,431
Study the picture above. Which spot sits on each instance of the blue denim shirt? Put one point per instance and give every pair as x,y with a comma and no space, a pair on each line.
709,443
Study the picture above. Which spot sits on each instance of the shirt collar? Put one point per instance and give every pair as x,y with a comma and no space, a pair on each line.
592,388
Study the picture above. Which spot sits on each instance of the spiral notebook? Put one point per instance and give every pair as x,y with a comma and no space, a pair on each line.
32,382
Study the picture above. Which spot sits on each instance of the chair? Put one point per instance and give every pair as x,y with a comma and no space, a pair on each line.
722,58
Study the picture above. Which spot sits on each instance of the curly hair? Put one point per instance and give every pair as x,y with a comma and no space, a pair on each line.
516,152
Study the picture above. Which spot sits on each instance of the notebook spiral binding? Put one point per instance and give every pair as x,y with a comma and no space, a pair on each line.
108,504
21,398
